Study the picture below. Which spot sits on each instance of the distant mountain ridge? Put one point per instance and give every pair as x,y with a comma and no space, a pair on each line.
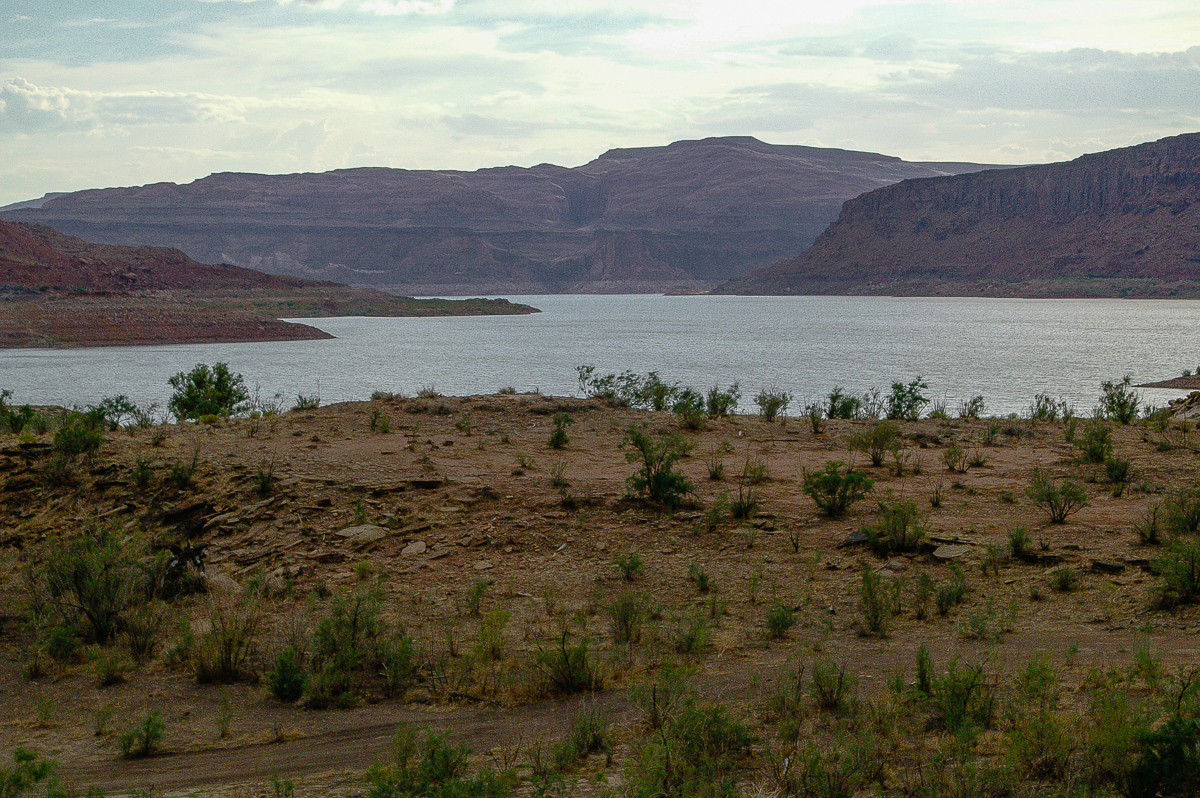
686,216
1125,222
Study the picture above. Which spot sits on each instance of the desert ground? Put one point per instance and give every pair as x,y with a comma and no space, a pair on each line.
432,563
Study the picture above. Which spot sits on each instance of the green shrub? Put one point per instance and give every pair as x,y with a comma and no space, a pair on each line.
432,768
346,639
699,577
1020,543
955,458
772,403
1096,443
963,699
719,404
899,526
832,685
905,402
207,391
971,408
145,738
588,734
1044,408
1119,401
91,584
380,422
656,479
79,434
834,491
952,593
842,405
288,678
780,618
1169,763
398,657
559,438
569,667
690,408
629,565
1117,470
1058,499
875,601
26,773
625,616
1064,580
1181,512
1179,569
877,440
222,654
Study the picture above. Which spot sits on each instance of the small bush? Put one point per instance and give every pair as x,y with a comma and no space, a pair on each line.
834,491
905,402
207,391
222,655
629,565
691,410
875,602
952,593
1179,570
1020,543
1044,408
877,440
720,404
1181,512
79,434
699,577
1119,401
1064,580
842,405
1095,444
559,438
145,738
971,408
780,618
1116,470
288,678
899,526
772,402
955,458
569,667
625,617
1169,763
832,686
657,479
380,422
1058,499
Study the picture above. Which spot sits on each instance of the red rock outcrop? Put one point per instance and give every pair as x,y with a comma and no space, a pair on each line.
1120,223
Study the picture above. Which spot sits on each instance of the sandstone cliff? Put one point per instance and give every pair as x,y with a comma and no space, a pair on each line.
682,217
1119,223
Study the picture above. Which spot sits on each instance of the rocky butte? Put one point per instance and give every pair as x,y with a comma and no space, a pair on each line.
1120,223
684,217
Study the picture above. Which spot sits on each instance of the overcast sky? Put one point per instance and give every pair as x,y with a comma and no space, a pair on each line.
129,92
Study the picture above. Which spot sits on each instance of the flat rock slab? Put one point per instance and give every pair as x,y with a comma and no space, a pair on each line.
414,548
952,551
366,533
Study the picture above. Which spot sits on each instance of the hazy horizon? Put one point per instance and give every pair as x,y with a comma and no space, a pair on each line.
129,93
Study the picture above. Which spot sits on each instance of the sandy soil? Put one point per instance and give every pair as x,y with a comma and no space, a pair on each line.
462,491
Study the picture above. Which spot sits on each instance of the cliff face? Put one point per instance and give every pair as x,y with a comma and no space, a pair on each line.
686,216
1119,223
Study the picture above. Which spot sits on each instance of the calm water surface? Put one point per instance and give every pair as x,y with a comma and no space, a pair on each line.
1006,350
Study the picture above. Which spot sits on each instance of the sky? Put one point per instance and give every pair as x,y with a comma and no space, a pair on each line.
130,92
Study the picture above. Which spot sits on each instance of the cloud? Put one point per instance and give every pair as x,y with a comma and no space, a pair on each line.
28,108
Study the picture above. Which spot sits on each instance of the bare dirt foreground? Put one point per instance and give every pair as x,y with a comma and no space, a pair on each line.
487,550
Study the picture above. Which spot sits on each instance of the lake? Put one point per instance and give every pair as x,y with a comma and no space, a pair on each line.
1006,350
